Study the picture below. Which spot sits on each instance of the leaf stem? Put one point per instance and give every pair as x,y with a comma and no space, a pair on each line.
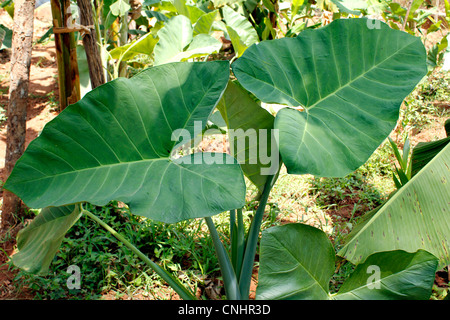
252,240
228,274
240,243
170,279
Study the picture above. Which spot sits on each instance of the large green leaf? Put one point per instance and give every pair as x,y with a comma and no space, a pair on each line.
391,275
119,7
115,144
174,37
241,32
350,6
39,241
144,45
221,3
204,24
249,123
349,81
296,262
201,45
423,152
416,217
109,15
191,12
177,42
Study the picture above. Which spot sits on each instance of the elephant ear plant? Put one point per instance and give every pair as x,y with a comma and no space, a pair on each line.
342,86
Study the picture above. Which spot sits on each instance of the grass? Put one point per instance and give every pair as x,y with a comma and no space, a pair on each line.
107,266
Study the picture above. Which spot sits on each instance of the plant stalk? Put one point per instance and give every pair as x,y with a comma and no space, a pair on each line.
184,293
239,243
252,240
229,277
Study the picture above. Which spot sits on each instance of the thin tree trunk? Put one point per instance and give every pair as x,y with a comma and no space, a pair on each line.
58,22
94,60
123,41
66,54
18,96
70,57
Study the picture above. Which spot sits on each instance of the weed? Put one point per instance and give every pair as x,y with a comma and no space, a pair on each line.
52,101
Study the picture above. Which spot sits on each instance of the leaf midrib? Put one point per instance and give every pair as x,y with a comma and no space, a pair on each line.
339,87
383,280
167,159
76,171
358,77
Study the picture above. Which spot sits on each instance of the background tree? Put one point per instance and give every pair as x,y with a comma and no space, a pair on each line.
18,95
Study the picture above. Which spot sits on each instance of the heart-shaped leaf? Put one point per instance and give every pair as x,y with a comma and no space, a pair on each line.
241,32
115,144
39,241
177,42
144,45
391,275
204,24
349,79
296,262
189,11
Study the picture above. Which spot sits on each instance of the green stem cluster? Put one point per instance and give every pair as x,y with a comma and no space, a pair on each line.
237,271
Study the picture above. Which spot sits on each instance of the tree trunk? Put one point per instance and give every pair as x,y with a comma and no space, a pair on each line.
66,54
94,60
18,96
70,57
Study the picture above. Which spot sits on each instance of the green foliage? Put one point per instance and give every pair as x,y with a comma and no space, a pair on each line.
3,117
107,265
346,104
241,32
424,152
326,135
334,193
402,276
178,43
413,218
247,120
297,262
39,241
82,143
404,160
5,37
